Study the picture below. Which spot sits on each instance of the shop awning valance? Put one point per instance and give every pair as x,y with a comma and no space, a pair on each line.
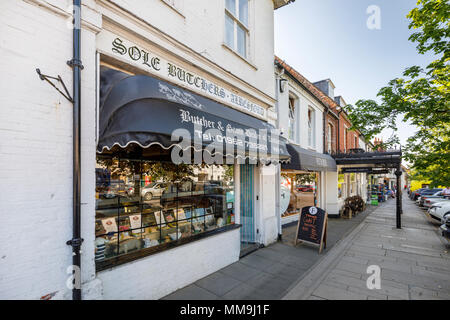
142,110
303,159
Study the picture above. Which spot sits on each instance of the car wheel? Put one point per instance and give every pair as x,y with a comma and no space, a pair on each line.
148,196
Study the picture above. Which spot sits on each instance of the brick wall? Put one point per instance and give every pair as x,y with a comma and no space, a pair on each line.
348,142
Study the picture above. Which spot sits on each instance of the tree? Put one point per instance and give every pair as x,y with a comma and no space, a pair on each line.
421,96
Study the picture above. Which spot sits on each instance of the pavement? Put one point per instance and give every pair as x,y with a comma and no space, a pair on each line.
269,273
414,261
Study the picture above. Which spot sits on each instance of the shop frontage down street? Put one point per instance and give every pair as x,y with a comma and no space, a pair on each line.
414,261
270,272
171,149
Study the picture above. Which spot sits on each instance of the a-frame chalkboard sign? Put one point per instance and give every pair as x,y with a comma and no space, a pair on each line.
312,227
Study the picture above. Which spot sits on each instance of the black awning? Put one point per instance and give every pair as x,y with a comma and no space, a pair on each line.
303,159
145,111
386,159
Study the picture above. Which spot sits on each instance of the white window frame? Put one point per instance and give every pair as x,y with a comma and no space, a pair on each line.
236,23
311,127
345,137
292,117
330,135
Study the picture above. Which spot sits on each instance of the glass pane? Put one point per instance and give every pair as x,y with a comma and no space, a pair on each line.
243,11
127,182
105,187
229,31
231,6
241,41
142,204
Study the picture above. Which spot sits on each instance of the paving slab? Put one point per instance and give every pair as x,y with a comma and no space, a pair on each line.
192,292
270,272
414,261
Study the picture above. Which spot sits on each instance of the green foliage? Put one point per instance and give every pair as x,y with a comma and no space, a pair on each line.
421,96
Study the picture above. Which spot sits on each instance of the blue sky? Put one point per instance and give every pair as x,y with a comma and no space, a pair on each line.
330,39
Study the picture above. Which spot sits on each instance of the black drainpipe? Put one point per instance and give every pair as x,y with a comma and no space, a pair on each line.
77,66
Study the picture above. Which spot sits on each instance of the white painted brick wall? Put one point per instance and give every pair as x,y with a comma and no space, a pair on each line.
36,151
203,30
158,275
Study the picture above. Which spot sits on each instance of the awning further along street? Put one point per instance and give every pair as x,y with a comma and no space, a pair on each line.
307,160
146,111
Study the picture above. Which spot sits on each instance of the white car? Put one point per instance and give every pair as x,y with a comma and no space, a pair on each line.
153,190
439,209
428,203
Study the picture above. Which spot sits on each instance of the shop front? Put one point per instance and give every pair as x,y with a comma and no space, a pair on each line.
303,182
175,182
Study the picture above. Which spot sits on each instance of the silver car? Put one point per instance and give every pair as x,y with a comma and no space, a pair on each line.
153,190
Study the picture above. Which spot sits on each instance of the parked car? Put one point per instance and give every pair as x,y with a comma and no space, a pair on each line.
445,227
305,188
428,195
416,193
430,201
439,209
152,190
424,191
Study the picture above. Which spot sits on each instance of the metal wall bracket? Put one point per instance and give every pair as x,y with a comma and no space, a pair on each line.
75,62
76,243
58,79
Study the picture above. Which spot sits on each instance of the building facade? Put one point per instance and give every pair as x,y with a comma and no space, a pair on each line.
142,218
311,177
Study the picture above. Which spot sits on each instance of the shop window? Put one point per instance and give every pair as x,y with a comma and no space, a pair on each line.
352,183
311,128
298,190
292,130
144,205
236,26
342,186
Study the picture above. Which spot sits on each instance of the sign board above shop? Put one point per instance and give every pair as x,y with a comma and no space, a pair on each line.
139,56
368,170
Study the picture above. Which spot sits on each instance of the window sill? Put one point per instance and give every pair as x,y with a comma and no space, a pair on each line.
238,55
113,262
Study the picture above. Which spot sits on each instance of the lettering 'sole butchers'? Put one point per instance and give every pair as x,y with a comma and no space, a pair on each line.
172,71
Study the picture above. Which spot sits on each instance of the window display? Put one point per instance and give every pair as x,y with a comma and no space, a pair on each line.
142,204
298,190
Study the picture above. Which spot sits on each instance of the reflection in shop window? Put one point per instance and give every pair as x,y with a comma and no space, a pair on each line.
142,204
298,190
342,187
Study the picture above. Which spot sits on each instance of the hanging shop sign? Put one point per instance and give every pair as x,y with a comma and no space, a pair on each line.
155,64
312,227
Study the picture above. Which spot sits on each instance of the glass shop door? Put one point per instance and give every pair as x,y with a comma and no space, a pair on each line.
247,205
